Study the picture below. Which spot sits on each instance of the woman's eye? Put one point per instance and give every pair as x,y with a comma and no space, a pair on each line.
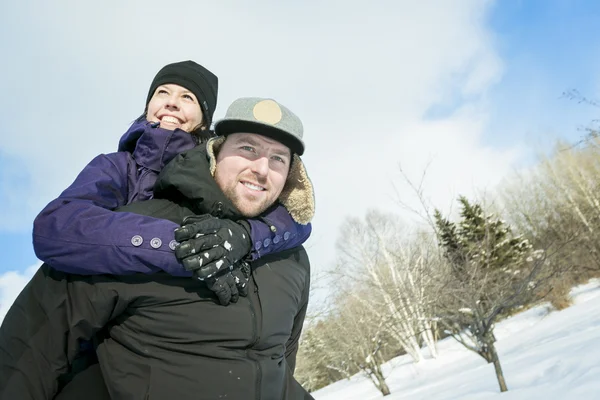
188,97
161,91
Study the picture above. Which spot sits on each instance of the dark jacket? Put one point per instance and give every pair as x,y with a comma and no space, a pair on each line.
79,232
161,336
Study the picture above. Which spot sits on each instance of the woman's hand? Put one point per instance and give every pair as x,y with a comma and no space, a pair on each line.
211,247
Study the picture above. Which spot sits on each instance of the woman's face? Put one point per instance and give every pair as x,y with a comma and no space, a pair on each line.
174,107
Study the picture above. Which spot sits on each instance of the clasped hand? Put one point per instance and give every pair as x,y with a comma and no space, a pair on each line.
211,248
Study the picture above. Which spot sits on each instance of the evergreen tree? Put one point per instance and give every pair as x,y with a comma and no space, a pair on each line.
481,241
490,272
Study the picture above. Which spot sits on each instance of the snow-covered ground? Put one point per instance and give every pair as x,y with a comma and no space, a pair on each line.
545,355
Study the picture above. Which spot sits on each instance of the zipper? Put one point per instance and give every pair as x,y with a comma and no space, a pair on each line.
258,380
255,334
219,211
259,325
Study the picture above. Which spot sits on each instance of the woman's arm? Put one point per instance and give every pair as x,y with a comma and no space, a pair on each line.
79,233
276,231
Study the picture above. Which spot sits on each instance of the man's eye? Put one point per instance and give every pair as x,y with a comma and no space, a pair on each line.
161,91
188,97
278,159
248,148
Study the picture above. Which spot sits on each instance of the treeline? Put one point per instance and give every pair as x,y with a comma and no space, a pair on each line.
398,291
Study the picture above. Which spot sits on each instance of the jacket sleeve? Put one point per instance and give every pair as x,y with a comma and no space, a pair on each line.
79,233
276,231
291,348
40,335
293,390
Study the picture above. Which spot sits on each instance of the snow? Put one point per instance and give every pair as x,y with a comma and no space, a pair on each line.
544,354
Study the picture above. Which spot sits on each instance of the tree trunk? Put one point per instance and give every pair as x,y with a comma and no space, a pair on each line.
379,380
429,340
384,389
498,368
487,356
382,385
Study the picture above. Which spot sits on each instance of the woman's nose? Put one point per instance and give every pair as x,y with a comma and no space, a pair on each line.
172,102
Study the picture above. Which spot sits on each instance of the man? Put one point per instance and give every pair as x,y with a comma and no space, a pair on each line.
163,337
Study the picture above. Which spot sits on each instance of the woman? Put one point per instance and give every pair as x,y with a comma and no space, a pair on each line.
80,233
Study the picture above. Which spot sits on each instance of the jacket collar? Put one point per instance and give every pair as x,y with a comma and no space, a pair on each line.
188,181
153,147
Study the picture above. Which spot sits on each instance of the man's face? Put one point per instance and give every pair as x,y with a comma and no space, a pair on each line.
252,170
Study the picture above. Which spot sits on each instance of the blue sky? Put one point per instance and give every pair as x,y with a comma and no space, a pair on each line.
486,74
14,243
548,47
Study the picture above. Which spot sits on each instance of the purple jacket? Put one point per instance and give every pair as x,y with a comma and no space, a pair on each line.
79,233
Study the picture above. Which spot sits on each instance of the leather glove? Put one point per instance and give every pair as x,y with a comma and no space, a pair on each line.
230,285
209,245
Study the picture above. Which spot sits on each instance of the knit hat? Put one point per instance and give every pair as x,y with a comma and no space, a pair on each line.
264,117
195,78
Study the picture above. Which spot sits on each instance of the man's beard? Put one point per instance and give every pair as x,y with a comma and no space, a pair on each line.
248,209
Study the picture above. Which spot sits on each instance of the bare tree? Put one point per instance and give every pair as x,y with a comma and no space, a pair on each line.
376,254
351,339
318,365
557,202
592,130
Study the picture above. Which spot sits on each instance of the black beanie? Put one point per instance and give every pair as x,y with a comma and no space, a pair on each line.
195,78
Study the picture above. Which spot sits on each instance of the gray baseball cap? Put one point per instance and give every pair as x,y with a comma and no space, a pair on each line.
264,117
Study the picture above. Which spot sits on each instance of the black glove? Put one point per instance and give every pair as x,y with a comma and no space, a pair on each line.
209,245
230,285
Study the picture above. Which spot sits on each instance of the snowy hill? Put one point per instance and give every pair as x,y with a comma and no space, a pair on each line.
544,355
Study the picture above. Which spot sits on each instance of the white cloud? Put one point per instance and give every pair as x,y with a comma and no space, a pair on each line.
11,284
362,76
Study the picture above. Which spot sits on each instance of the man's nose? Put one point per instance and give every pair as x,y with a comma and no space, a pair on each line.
260,166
